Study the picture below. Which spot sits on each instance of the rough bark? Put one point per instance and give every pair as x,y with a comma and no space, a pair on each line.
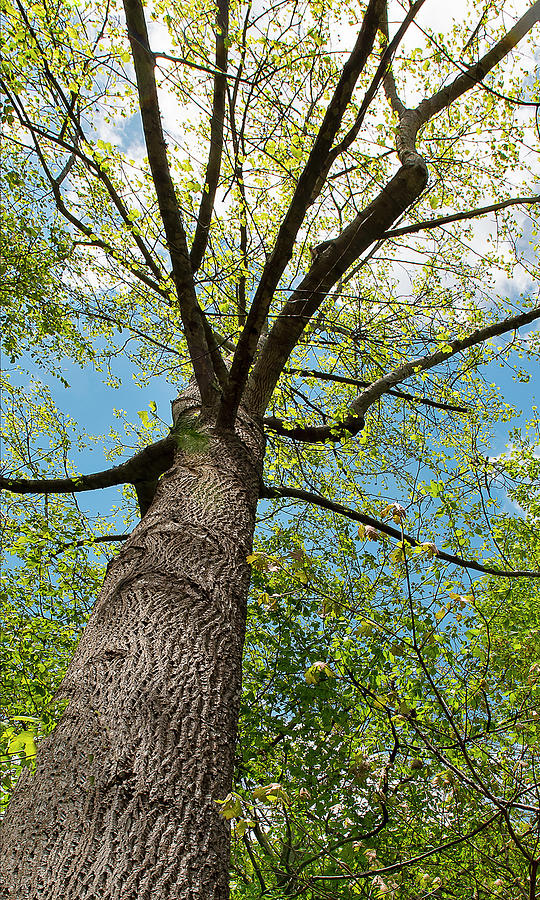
122,802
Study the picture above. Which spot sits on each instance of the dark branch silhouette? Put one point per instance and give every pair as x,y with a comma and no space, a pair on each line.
359,382
460,217
270,491
144,466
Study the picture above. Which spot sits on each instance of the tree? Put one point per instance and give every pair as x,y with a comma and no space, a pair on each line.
300,258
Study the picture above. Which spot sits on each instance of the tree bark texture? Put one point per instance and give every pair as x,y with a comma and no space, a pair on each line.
122,803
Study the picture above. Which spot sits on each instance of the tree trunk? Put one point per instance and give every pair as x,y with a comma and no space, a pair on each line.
122,803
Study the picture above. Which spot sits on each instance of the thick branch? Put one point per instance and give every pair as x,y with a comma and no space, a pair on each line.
349,426
411,120
421,364
192,318
459,217
354,422
393,201
476,73
272,491
317,434
213,167
403,395
340,253
282,252
380,75
146,491
377,389
145,465
405,186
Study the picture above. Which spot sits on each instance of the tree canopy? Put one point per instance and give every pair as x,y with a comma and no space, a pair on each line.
317,219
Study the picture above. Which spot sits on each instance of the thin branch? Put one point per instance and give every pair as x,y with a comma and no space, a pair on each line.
88,542
272,491
97,168
237,141
146,338
533,869
213,167
389,83
396,867
55,184
256,868
193,65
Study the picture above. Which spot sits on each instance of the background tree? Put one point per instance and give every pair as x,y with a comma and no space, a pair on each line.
296,250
